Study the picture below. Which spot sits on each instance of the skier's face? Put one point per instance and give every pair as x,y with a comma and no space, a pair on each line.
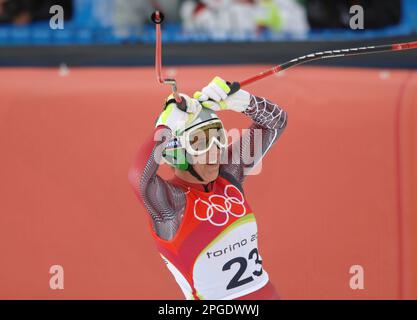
208,164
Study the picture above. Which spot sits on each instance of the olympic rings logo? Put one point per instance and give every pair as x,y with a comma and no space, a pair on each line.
221,206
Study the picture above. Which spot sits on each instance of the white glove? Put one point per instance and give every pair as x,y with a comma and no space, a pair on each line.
215,97
176,119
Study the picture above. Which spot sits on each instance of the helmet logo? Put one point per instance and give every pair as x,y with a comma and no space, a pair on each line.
174,143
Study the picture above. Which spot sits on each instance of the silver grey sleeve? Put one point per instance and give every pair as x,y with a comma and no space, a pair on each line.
164,202
269,122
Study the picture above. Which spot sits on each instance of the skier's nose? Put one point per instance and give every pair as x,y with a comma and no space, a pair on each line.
213,155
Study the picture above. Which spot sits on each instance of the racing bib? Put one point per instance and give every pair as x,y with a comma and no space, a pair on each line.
215,254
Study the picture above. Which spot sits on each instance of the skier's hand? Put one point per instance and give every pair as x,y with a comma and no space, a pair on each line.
176,119
215,96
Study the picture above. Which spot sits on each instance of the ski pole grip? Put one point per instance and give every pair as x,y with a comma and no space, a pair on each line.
234,87
182,105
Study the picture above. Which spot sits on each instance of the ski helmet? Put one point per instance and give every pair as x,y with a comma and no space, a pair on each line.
195,139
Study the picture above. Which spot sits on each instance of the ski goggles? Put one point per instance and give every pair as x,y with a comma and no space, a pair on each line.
200,138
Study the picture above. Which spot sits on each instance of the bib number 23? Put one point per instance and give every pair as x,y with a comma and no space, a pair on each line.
243,264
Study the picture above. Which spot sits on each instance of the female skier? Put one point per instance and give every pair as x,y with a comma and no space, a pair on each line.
204,228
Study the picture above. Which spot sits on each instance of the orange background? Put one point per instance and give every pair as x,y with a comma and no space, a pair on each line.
338,189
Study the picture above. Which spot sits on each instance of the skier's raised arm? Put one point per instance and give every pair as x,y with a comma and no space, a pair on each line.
269,122
164,201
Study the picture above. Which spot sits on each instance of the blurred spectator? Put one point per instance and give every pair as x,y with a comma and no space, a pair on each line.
335,13
218,17
287,16
222,17
131,15
22,12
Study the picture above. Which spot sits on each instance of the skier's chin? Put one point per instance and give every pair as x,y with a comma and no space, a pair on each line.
209,172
